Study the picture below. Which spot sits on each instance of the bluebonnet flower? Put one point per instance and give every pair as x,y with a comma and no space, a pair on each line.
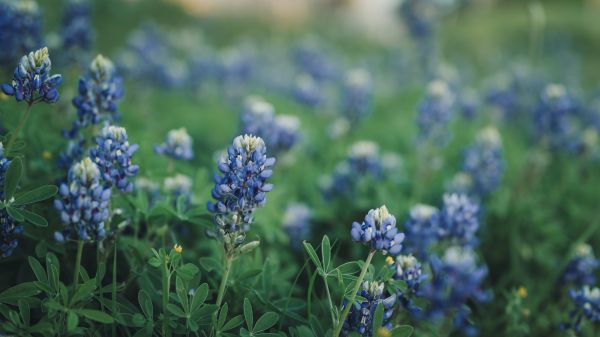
112,155
177,145
77,32
422,228
74,152
581,268
286,133
552,116
357,95
435,113
311,59
587,306
242,187
9,229
20,29
360,317
504,95
296,222
379,231
418,16
459,219
307,91
32,81
483,161
99,92
408,269
179,186
457,279
83,203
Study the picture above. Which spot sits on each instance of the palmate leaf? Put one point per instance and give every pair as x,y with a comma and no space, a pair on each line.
12,177
35,195
20,291
32,218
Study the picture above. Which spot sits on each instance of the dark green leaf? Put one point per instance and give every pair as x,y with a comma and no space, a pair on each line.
33,218
248,314
38,194
38,270
95,315
72,321
233,323
313,255
266,321
402,331
378,316
326,253
199,297
12,295
146,304
15,214
187,271
12,178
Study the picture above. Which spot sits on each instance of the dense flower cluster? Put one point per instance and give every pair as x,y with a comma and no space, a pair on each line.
9,229
296,222
357,95
99,92
83,203
435,112
242,187
587,306
457,279
422,228
408,269
77,31
379,231
280,133
581,268
177,145
360,317
311,59
32,81
552,116
112,155
20,29
459,219
483,162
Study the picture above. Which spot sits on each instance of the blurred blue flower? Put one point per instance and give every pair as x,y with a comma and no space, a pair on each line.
435,113
296,223
379,232
552,116
360,317
99,92
307,91
20,29
483,161
177,145
581,268
422,228
587,306
457,280
9,229
179,186
311,59
112,155
408,269
357,95
32,81
242,187
82,203
77,33
459,219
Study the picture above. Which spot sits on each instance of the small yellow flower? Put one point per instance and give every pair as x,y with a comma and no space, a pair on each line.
178,248
47,155
3,97
383,332
389,260
522,291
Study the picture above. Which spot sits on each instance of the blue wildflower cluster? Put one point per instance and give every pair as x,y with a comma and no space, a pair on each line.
360,317
422,228
408,269
357,95
483,162
587,307
280,133
9,229
77,33
83,203
459,219
99,92
435,113
20,29
307,91
581,268
177,145
310,58
32,81
552,116
379,232
242,187
456,280
296,222
112,155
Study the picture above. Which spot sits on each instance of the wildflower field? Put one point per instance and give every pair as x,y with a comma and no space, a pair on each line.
170,169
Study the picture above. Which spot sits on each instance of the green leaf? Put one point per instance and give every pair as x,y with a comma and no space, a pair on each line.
12,295
95,315
233,323
402,331
326,253
15,214
175,310
72,321
313,256
378,316
154,262
248,314
24,311
199,297
266,321
222,316
12,177
146,304
38,270
35,195
187,271
33,218
182,293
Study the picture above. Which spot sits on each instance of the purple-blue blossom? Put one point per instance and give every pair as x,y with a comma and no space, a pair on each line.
177,145
379,232
360,317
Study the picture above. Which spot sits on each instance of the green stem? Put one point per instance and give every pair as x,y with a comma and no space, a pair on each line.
333,321
363,272
77,263
15,135
223,286
166,286
114,289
